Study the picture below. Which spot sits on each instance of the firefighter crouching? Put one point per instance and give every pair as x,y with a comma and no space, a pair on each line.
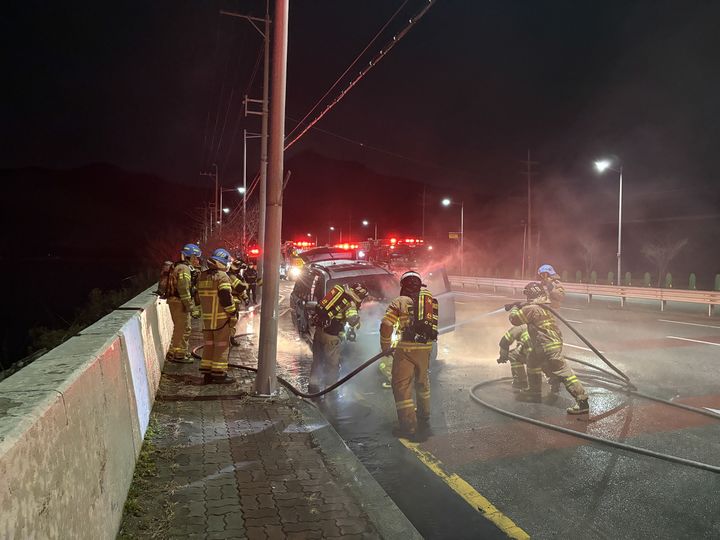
340,305
179,291
518,356
415,316
546,355
219,317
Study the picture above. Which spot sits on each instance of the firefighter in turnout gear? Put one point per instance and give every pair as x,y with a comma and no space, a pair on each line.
250,275
517,356
238,284
547,343
180,294
552,285
414,316
340,306
219,317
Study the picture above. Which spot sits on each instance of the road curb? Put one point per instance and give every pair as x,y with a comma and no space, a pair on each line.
388,519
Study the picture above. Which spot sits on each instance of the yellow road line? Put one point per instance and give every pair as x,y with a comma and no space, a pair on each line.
467,492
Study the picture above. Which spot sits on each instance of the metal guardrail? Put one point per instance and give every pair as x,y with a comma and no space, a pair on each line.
709,298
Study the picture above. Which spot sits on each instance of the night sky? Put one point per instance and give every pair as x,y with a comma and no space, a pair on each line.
147,85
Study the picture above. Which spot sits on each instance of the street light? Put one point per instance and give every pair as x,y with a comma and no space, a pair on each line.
602,166
447,202
309,235
226,210
241,191
366,223
329,237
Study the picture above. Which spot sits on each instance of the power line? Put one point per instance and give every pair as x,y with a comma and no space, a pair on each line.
395,40
337,81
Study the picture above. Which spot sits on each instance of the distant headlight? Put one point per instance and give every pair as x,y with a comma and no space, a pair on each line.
294,272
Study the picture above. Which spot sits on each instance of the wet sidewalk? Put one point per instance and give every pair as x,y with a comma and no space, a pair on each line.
219,463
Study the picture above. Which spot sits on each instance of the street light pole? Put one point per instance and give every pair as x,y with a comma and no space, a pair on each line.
462,238
619,250
265,381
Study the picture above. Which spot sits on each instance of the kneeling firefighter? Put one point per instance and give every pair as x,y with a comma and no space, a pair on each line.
547,343
219,317
178,289
518,356
414,315
340,305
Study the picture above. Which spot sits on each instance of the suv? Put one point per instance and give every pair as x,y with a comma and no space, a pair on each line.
319,277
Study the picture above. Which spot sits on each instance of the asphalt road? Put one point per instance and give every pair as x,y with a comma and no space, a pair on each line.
482,475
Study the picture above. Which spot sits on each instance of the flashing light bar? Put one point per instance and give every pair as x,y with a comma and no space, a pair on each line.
303,243
347,246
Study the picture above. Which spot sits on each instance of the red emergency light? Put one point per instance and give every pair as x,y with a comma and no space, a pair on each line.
347,246
255,251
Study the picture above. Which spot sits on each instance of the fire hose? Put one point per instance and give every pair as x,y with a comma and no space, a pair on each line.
616,381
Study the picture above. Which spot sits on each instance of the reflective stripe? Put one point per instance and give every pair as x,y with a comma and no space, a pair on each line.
404,404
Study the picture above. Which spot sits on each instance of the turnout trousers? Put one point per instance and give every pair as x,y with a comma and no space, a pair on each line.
410,365
216,347
181,328
326,360
553,364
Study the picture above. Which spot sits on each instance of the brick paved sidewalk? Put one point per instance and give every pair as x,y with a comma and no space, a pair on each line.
218,463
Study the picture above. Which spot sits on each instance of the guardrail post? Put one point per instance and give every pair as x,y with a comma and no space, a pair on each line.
589,298
710,310
662,305
692,282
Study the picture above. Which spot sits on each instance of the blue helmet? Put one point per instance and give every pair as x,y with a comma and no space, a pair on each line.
191,249
221,258
546,269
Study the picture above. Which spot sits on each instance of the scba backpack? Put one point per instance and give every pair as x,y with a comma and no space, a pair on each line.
167,284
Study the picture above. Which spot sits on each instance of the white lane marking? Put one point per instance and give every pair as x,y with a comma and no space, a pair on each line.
479,295
694,340
716,411
572,308
576,322
581,348
689,323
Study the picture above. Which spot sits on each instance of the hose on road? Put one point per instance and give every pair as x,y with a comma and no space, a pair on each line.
616,381
322,392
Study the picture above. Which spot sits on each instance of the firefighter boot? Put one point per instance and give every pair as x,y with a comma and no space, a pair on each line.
221,379
581,407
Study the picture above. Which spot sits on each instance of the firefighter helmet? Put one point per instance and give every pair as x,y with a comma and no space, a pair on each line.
533,290
410,282
220,259
360,290
546,269
189,250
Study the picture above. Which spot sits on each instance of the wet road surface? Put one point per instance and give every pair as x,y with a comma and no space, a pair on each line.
479,464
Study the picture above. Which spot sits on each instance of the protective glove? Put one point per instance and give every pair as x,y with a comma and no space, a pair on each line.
351,335
503,357
508,307
195,312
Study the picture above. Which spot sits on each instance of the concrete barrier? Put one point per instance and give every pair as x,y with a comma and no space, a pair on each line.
72,424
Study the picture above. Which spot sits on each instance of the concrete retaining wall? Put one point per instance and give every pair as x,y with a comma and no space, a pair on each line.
72,424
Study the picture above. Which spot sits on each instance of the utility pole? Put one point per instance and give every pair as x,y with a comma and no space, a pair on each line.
529,174
215,214
423,216
265,380
264,114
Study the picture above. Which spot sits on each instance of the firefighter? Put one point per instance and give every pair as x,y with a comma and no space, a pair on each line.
250,275
414,315
219,317
552,285
340,306
180,301
238,284
547,343
517,356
